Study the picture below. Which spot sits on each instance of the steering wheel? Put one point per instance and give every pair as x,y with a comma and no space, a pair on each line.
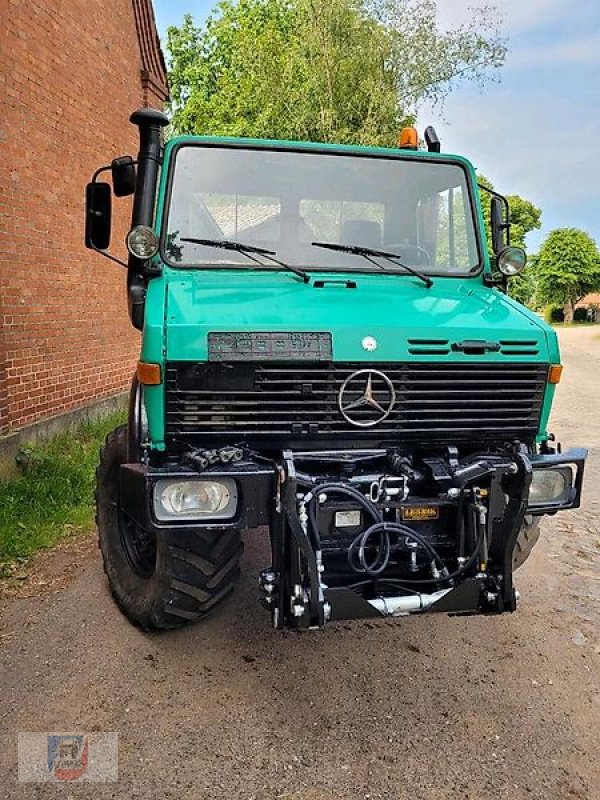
411,253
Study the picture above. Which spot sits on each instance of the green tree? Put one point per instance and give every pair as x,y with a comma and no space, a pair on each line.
428,62
326,70
568,268
525,217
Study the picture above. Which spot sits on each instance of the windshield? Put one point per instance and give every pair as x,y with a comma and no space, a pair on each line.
285,200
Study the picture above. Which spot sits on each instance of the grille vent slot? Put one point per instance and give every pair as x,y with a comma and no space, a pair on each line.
519,347
429,347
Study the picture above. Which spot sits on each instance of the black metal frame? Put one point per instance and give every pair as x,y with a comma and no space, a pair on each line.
486,592
489,591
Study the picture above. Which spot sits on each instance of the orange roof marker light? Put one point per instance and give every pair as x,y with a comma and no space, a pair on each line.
148,374
554,373
409,139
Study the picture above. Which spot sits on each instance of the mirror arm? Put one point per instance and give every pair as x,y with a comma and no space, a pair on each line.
493,193
108,255
99,172
504,200
95,176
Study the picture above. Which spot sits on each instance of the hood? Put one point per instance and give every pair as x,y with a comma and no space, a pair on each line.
408,320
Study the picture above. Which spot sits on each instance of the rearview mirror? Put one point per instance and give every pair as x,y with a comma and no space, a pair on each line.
500,223
123,176
98,214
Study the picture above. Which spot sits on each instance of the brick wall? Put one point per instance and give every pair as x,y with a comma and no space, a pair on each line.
70,75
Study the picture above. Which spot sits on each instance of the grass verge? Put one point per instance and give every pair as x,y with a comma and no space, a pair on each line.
53,495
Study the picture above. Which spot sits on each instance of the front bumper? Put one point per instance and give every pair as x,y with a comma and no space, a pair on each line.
256,485
255,491
268,495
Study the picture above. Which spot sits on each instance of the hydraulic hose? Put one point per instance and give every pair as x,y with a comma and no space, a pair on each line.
342,488
384,551
449,576
384,529
357,558
311,500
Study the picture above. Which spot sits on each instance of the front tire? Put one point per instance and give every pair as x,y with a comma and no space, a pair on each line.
526,540
165,581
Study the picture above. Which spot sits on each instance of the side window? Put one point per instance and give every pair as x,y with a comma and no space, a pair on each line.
444,230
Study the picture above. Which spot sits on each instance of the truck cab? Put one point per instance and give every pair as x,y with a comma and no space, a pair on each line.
329,358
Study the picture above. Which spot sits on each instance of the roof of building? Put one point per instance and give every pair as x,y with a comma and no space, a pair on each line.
590,299
153,71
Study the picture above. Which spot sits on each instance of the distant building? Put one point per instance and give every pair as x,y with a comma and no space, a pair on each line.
71,73
591,302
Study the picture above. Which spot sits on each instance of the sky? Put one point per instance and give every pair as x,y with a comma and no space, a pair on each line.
536,131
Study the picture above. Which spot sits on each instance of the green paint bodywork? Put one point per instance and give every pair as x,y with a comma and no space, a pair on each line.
184,305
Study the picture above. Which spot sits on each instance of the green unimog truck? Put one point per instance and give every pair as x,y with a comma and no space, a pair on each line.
328,359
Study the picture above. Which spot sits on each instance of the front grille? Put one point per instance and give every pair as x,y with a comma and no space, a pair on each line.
288,403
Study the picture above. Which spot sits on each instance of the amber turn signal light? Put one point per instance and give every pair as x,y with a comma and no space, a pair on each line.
554,373
409,139
148,374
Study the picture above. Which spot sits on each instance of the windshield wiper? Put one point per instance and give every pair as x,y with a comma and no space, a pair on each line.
369,253
248,250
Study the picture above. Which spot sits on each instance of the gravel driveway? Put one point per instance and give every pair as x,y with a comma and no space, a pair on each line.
428,707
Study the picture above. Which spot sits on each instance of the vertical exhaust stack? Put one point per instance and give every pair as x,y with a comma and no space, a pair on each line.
149,121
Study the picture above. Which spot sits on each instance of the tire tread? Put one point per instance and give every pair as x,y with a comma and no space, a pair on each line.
195,569
526,541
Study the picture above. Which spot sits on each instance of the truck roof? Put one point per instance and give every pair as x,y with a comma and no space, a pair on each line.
283,144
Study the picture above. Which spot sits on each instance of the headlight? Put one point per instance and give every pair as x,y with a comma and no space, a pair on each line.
512,260
550,486
195,499
142,242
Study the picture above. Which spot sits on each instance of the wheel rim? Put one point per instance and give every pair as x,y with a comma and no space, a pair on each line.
139,546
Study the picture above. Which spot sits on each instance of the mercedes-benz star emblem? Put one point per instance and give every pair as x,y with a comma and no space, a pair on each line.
366,398
369,343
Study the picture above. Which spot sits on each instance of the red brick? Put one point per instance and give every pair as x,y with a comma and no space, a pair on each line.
77,70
